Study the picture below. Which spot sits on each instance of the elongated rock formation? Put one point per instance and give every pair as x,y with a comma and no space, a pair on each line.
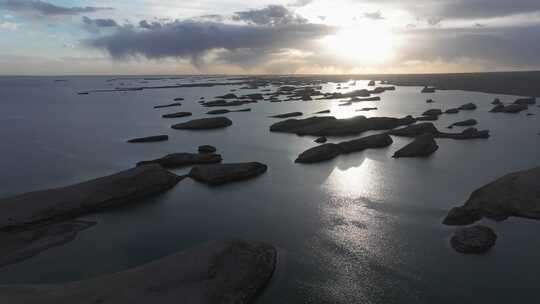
215,272
218,174
515,194
147,139
427,127
177,160
204,124
330,151
71,201
331,126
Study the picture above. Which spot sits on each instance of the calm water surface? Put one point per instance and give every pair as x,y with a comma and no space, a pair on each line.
363,228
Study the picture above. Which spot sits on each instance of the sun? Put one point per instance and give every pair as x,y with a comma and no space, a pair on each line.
362,44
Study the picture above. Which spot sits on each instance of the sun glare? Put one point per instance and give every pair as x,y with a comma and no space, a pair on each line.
362,44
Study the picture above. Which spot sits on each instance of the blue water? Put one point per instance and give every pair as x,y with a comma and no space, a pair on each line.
363,228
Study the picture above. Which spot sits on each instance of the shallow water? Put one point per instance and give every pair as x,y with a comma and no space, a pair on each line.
363,228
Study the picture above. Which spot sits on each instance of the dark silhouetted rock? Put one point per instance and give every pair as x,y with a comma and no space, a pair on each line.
177,115
224,103
359,99
432,112
176,104
515,194
468,106
427,127
496,101
464,123
422,146
427,118
323,112
207,149
225,111
149,139
371,83
428,90
430,101
331,126
204,124
227,96
473,240
319,154
366,109
218,174
78,199
452,111
177,160
321,140
511,108
178,99
287,115
415,130
216,272
330,151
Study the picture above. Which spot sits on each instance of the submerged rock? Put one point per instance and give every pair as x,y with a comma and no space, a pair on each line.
367,109
204,124
22,244
176,160
149,139
177,115
464,123
218,174
207,149
72,201
331,126
427,118
430,101
452,111
496,101
422,146
216,272
515,194
473,240
178,99
287,115
330,151
176,104
359,99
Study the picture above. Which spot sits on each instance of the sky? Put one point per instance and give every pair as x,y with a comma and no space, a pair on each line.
61,37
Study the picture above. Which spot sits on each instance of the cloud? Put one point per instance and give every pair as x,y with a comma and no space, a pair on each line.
6,25
300,3
374,16
95,25
45,9
271,15
152,25
193,40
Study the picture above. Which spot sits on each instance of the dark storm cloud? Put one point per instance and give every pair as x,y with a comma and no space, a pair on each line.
45,8
95,25
99,22
192,39
270,16
149,25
